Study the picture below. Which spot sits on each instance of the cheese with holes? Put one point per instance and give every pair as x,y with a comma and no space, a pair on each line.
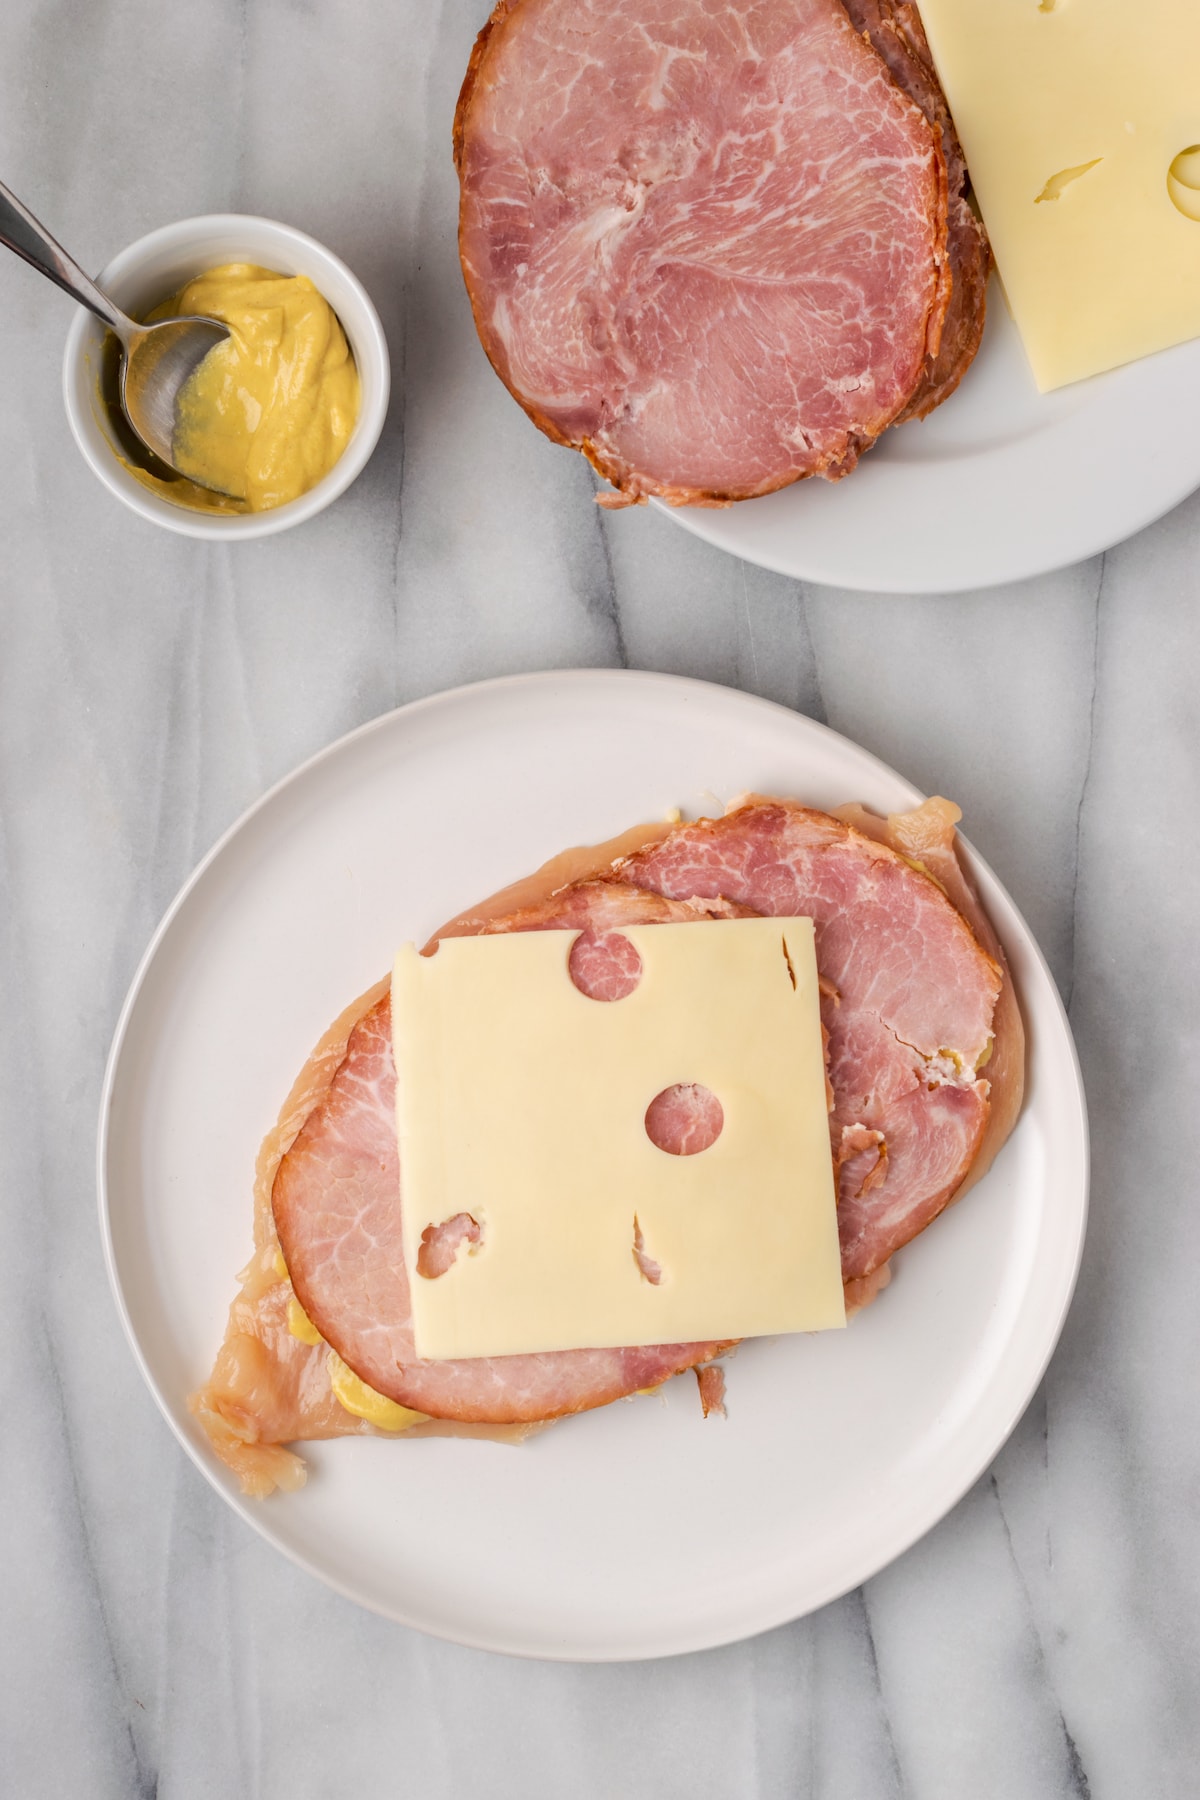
523,1103
1076,117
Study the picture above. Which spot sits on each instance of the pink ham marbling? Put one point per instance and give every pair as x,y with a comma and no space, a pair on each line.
704,243
896,33
908,998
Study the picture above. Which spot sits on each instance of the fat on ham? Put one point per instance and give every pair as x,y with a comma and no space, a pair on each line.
705,243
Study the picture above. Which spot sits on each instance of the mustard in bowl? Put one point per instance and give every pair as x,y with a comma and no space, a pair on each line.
283,416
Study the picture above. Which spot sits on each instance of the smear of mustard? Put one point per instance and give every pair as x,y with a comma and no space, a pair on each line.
354,1394
300,1325
267,413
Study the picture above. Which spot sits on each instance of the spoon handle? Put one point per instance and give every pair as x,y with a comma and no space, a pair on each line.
22,233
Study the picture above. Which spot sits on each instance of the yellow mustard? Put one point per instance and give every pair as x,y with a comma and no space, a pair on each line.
300,1325
268,413
349,1390
354,1394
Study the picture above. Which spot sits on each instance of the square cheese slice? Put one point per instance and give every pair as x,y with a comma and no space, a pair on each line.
522,1103
1072,114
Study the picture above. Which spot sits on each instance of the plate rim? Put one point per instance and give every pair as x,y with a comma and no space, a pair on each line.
1109,388
987,583
683,1641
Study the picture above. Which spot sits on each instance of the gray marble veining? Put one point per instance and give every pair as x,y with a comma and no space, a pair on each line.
1042,1642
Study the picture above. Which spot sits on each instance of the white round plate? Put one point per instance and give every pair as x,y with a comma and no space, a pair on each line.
642,1529
998,483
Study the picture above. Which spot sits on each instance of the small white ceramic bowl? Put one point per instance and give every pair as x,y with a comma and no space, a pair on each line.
157,266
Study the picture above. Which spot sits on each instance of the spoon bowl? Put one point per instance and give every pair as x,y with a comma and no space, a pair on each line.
157,360
157,363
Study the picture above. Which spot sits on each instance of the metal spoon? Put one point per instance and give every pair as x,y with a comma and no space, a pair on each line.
156,360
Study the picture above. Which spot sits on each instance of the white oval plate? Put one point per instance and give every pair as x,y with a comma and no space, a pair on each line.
999,483
642,1529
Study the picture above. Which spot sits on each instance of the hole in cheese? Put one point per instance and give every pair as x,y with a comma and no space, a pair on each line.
1183,182
604,966
441,1244
685,1119
651,1271
1186,166
1054,187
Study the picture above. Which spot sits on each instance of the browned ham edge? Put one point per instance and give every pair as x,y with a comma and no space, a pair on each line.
928,839
895,32
711,1381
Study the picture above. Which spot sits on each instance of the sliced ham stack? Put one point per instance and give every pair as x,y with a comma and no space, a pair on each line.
915,1003
716,247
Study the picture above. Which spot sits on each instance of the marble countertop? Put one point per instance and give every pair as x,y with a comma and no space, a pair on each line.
1041,1643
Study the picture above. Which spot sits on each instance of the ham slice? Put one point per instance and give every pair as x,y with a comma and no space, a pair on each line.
704,243
270,1388
337,1199
908,999
927,838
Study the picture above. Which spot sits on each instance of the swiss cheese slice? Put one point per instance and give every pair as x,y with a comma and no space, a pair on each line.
522,1102
1073,115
